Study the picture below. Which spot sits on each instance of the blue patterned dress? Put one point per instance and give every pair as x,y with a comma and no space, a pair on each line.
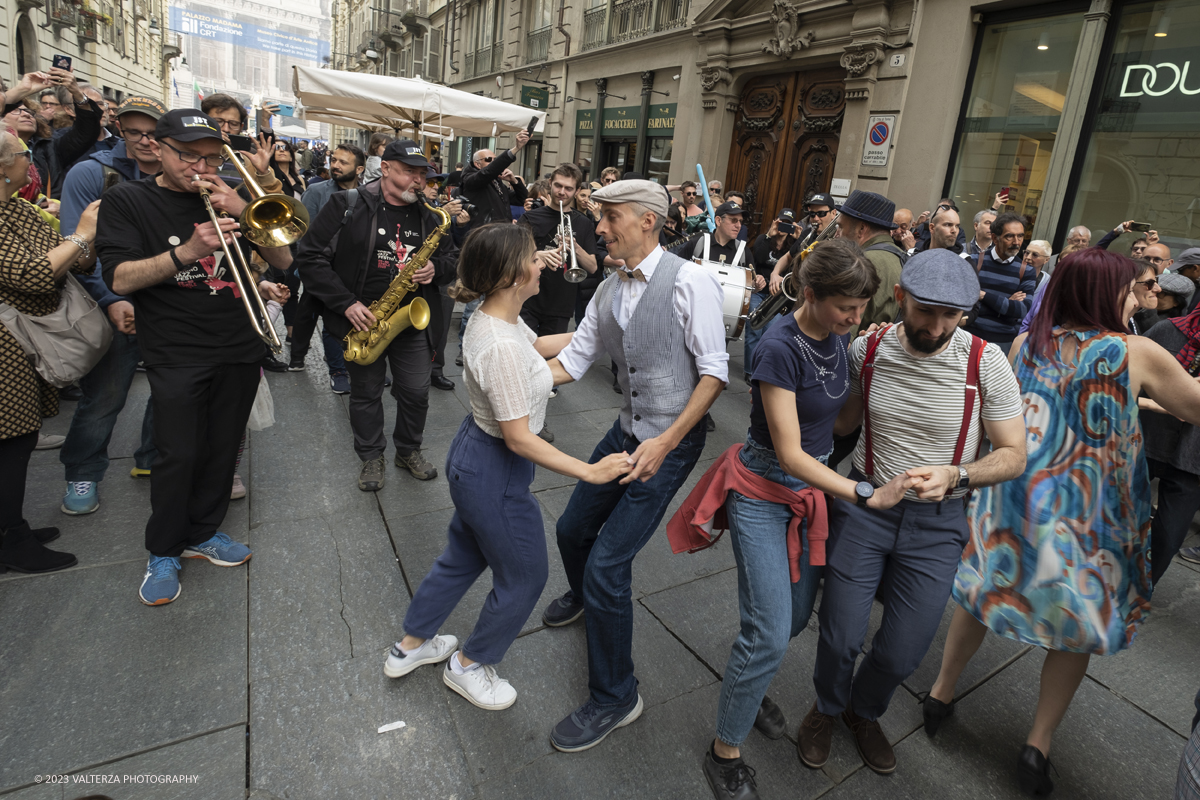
1060,557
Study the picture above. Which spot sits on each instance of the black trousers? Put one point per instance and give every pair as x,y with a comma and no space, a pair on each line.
439,340
1178,502
14,467
411,360
200,414
544,325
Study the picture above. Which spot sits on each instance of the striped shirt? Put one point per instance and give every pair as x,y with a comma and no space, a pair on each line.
999,319
917,404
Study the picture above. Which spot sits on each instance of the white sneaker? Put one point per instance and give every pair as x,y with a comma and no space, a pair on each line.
482,686
432,651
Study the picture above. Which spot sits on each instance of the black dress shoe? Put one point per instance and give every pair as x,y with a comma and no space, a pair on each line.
441,382
769,721
270,364
935,711
733,781
1033,772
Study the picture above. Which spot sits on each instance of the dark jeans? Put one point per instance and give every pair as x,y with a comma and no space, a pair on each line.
545,325
14,468
1178,502
599,535
913,549
85,452
468,310
200,414
439,345
307,313
497,523
410,359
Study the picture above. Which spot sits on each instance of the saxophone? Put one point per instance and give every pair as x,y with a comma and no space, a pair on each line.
364,347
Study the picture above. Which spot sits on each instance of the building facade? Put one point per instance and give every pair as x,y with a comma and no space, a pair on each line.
1084,109
115,45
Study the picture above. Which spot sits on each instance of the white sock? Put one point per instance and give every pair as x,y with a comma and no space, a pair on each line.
404,652
456,666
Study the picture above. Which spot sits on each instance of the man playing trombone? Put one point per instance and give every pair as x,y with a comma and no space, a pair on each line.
160,247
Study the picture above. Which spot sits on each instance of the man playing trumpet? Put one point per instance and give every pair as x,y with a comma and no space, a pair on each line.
159,247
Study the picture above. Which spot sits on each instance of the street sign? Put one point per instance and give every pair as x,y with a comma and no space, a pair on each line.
877,148
535,97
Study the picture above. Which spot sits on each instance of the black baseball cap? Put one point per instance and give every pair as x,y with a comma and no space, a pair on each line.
187,125
820,199
787,215
728,208
406,151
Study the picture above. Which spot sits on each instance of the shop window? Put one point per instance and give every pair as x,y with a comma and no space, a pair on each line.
1012,112
1142,153
583,157
660,160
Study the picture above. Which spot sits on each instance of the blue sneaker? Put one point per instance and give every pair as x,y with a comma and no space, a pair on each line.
220,550
161,584
586,726
1191,554
340,383
81,498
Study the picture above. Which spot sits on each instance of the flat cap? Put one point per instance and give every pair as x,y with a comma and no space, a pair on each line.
939,277
1179,285
1189,256
646,193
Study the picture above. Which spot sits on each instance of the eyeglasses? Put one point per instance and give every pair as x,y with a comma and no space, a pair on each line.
230,124
27,153
1149,284
215,162
137,136
22,110
1153,259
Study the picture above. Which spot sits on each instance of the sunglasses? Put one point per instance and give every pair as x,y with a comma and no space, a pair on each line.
281,147
819,213
689,194
488,160
1149,284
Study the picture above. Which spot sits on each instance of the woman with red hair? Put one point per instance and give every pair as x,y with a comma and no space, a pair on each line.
1060,557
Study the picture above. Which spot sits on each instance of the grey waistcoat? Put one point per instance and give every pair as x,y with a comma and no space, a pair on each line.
656,372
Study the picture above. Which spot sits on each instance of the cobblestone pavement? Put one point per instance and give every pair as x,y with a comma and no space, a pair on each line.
266,681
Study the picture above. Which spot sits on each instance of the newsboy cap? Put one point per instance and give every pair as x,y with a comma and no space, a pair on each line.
646,193
939,277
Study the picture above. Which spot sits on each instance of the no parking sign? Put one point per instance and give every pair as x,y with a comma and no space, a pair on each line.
878,145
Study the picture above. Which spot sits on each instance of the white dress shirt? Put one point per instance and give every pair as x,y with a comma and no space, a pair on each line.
698,298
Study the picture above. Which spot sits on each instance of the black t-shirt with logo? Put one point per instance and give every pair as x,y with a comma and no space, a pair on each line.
556,296
398,237
765,254
196,316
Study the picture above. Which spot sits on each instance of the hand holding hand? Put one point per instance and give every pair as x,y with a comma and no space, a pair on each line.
892,492
647,459
274,291
933,483
360,317
608,469
121,314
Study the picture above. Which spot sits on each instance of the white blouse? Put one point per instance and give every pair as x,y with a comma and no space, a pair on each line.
506,378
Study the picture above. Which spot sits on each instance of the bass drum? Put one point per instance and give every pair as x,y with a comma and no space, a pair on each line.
737,285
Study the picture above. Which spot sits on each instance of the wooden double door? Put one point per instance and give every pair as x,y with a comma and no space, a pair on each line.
785,141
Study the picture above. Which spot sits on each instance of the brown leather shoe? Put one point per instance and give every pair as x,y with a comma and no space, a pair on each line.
812,741
873,746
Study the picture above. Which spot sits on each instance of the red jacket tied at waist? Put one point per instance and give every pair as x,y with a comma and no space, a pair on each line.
703,512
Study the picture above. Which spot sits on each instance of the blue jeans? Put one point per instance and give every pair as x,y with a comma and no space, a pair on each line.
85,452
466,317
599,535
752,336
497,523
773,609
913,549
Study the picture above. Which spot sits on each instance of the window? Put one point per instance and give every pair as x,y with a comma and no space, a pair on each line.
1012,112
212,61
434,65
1140,152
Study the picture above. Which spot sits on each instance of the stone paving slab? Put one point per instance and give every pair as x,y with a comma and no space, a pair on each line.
91,674
1171,635
217,762
313,734
1105,748
658,756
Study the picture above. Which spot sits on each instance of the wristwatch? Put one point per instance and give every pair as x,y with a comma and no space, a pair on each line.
864,490
964,480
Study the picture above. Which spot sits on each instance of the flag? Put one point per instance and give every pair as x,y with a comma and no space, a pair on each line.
175,83
196,89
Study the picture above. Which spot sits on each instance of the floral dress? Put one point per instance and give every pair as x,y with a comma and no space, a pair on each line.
1060,556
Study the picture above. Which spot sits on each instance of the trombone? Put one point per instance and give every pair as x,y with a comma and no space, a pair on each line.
269,220
774,305
566,240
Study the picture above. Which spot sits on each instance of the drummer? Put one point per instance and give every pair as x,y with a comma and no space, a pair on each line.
723,245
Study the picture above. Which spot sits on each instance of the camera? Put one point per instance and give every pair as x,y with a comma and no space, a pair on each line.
539,203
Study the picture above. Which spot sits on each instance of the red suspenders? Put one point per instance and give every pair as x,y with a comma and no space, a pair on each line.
971,392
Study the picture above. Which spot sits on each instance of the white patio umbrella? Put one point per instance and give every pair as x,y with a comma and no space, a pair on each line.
381,102
293,132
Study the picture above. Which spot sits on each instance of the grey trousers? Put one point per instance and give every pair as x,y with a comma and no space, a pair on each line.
410,358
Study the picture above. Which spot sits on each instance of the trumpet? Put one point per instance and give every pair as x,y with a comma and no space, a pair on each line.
775,305
269,220
566,240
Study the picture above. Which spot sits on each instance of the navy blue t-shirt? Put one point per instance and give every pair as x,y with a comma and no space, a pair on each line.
816,370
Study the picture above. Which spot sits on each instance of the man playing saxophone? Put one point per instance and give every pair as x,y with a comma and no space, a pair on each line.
158,245
348,260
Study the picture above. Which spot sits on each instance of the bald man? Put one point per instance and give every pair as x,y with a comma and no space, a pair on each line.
1159,255
902,233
